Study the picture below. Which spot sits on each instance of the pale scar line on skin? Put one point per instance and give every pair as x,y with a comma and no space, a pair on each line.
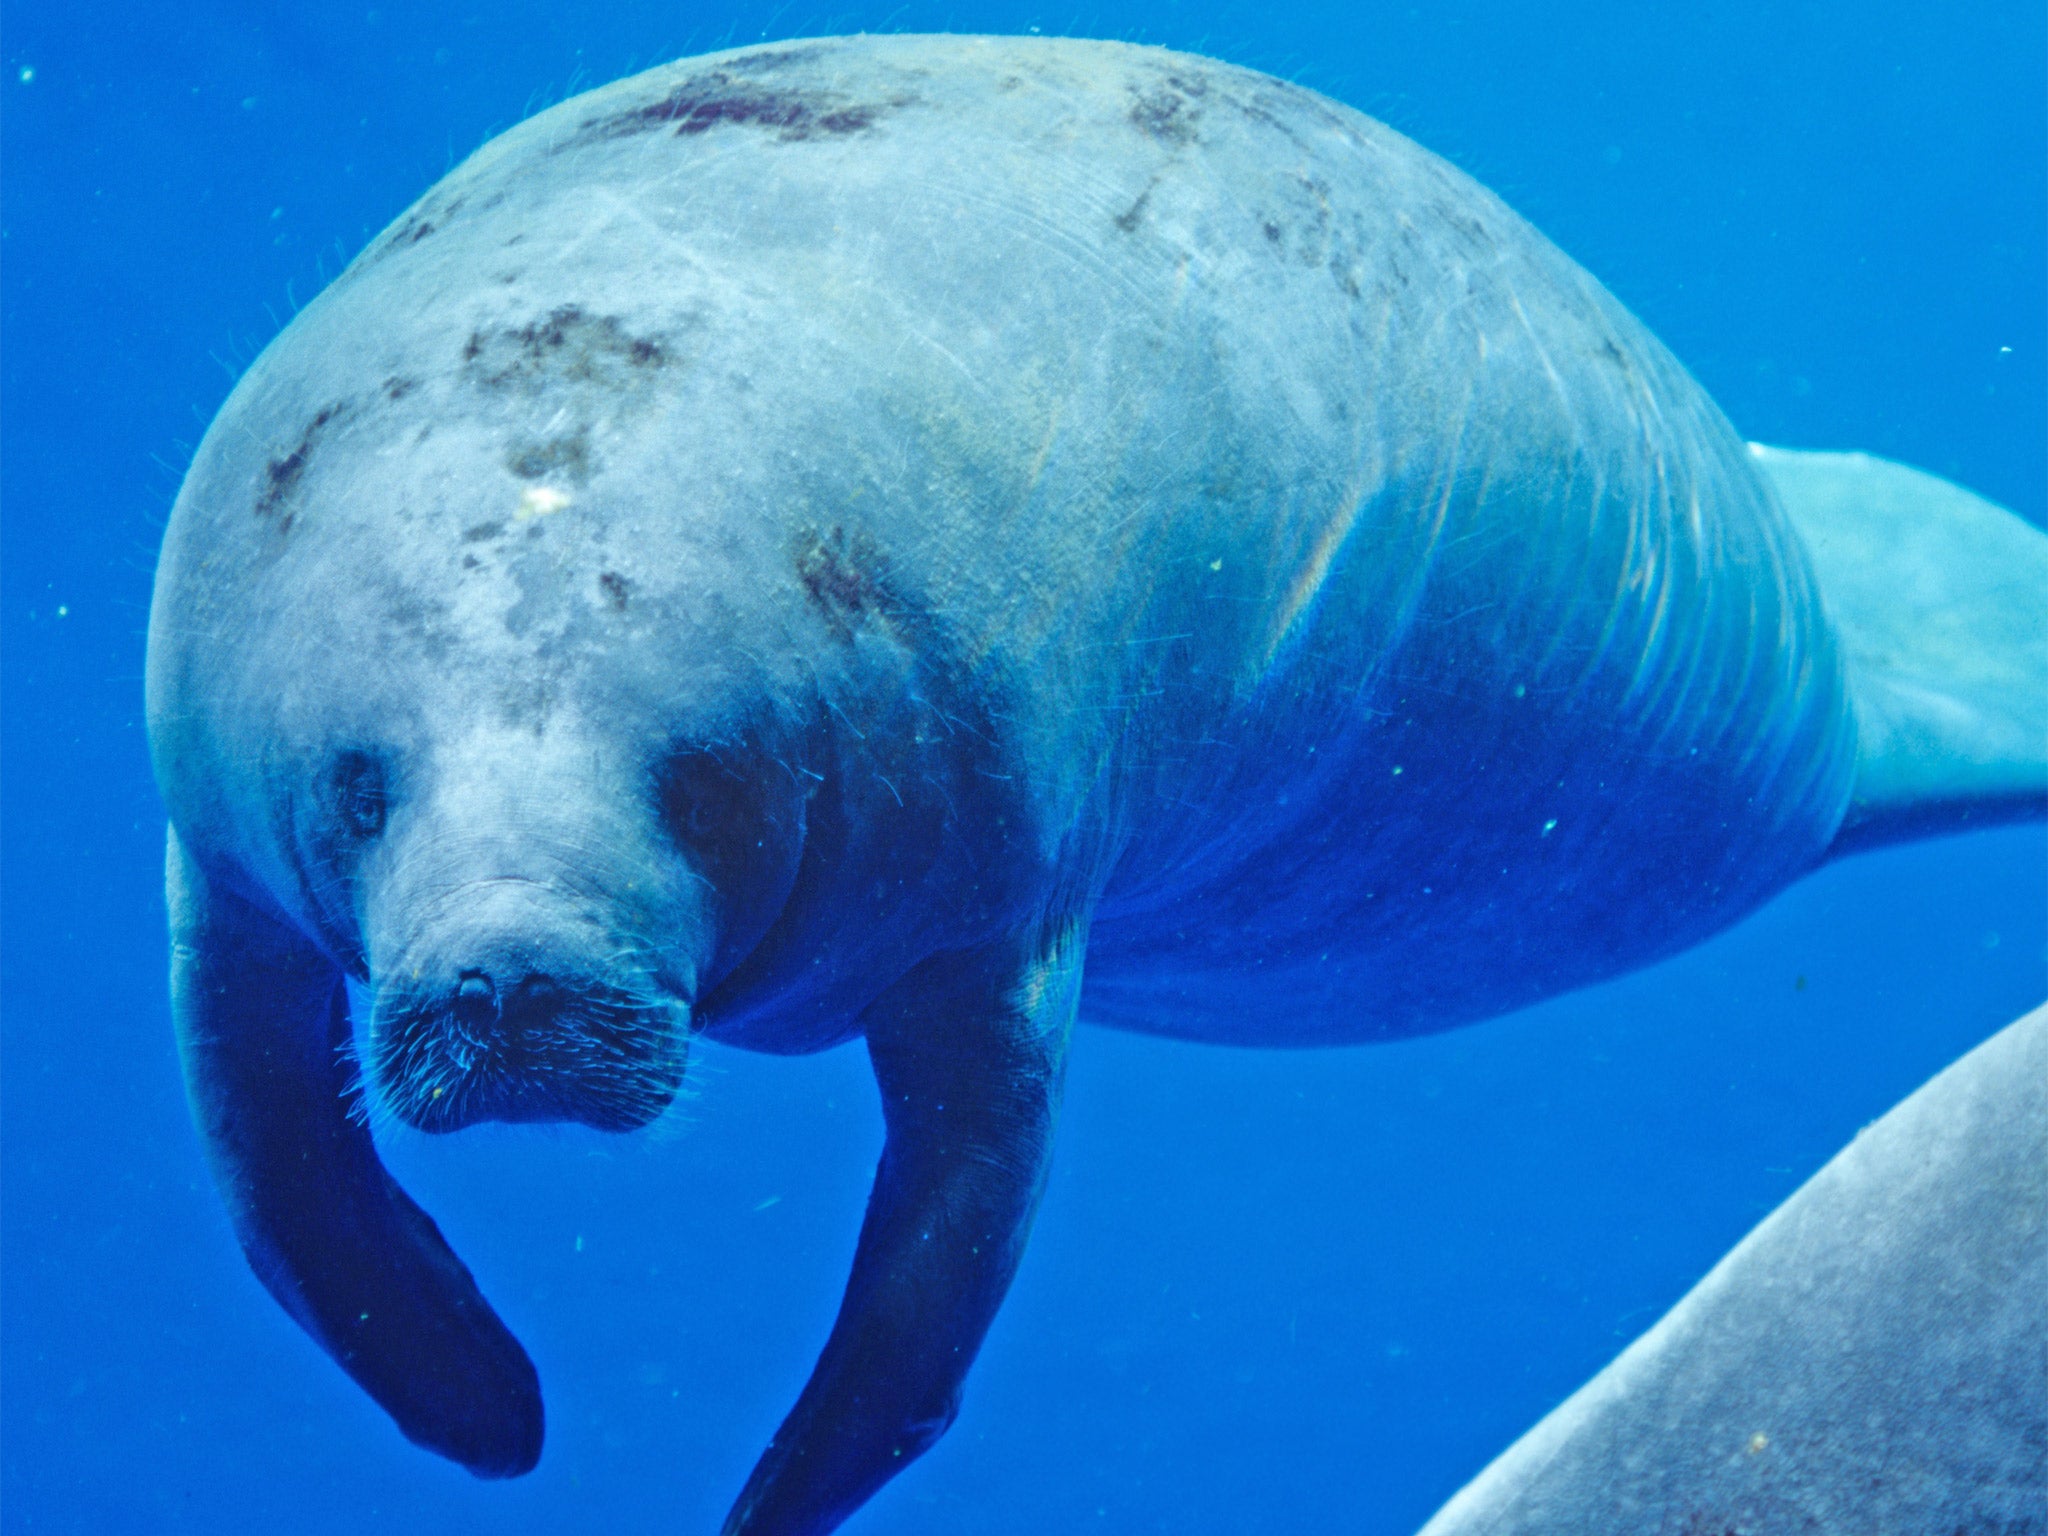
1302,591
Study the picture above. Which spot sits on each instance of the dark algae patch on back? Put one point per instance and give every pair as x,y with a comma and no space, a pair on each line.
721,98
1167,113
282,475
567,343
567,455
847,579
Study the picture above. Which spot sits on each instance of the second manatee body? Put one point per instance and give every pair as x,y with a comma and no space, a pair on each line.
1872,1358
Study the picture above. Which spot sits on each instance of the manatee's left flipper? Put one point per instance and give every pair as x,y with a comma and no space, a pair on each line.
262,1021
969,1051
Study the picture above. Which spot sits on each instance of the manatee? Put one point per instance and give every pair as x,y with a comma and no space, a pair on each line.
925,539
1873,1357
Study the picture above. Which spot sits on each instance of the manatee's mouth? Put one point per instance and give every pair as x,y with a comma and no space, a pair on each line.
538,1050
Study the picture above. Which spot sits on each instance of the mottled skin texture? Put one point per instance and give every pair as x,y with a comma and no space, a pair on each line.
813,542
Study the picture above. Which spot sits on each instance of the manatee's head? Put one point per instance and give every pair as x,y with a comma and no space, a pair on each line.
533,892
534,910
536,913
528,960
450,670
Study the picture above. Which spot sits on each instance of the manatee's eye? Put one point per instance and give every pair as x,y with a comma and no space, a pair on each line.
700,798
359,797
735,814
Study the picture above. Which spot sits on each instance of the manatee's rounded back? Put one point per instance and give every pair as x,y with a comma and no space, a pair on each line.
1345,585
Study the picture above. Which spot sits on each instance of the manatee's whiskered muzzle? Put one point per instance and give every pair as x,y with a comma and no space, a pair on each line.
527,1047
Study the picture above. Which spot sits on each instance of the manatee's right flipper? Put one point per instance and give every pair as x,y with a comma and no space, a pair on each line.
1941,599
969,1051
262,1021
1870,1358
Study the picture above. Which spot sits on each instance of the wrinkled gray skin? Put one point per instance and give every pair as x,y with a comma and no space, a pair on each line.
1873,1358
809,542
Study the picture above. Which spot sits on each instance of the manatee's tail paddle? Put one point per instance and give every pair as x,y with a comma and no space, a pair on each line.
262,1023
1941,599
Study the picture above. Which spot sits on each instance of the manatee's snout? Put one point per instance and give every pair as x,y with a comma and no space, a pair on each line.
510,1042
534,935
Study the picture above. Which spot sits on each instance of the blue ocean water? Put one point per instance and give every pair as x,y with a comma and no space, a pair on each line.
1268,1292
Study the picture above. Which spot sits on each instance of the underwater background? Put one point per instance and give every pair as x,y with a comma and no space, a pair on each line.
1268,1292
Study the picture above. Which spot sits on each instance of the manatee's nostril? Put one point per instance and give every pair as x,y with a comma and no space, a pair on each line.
476,1000
507,1043
539,992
